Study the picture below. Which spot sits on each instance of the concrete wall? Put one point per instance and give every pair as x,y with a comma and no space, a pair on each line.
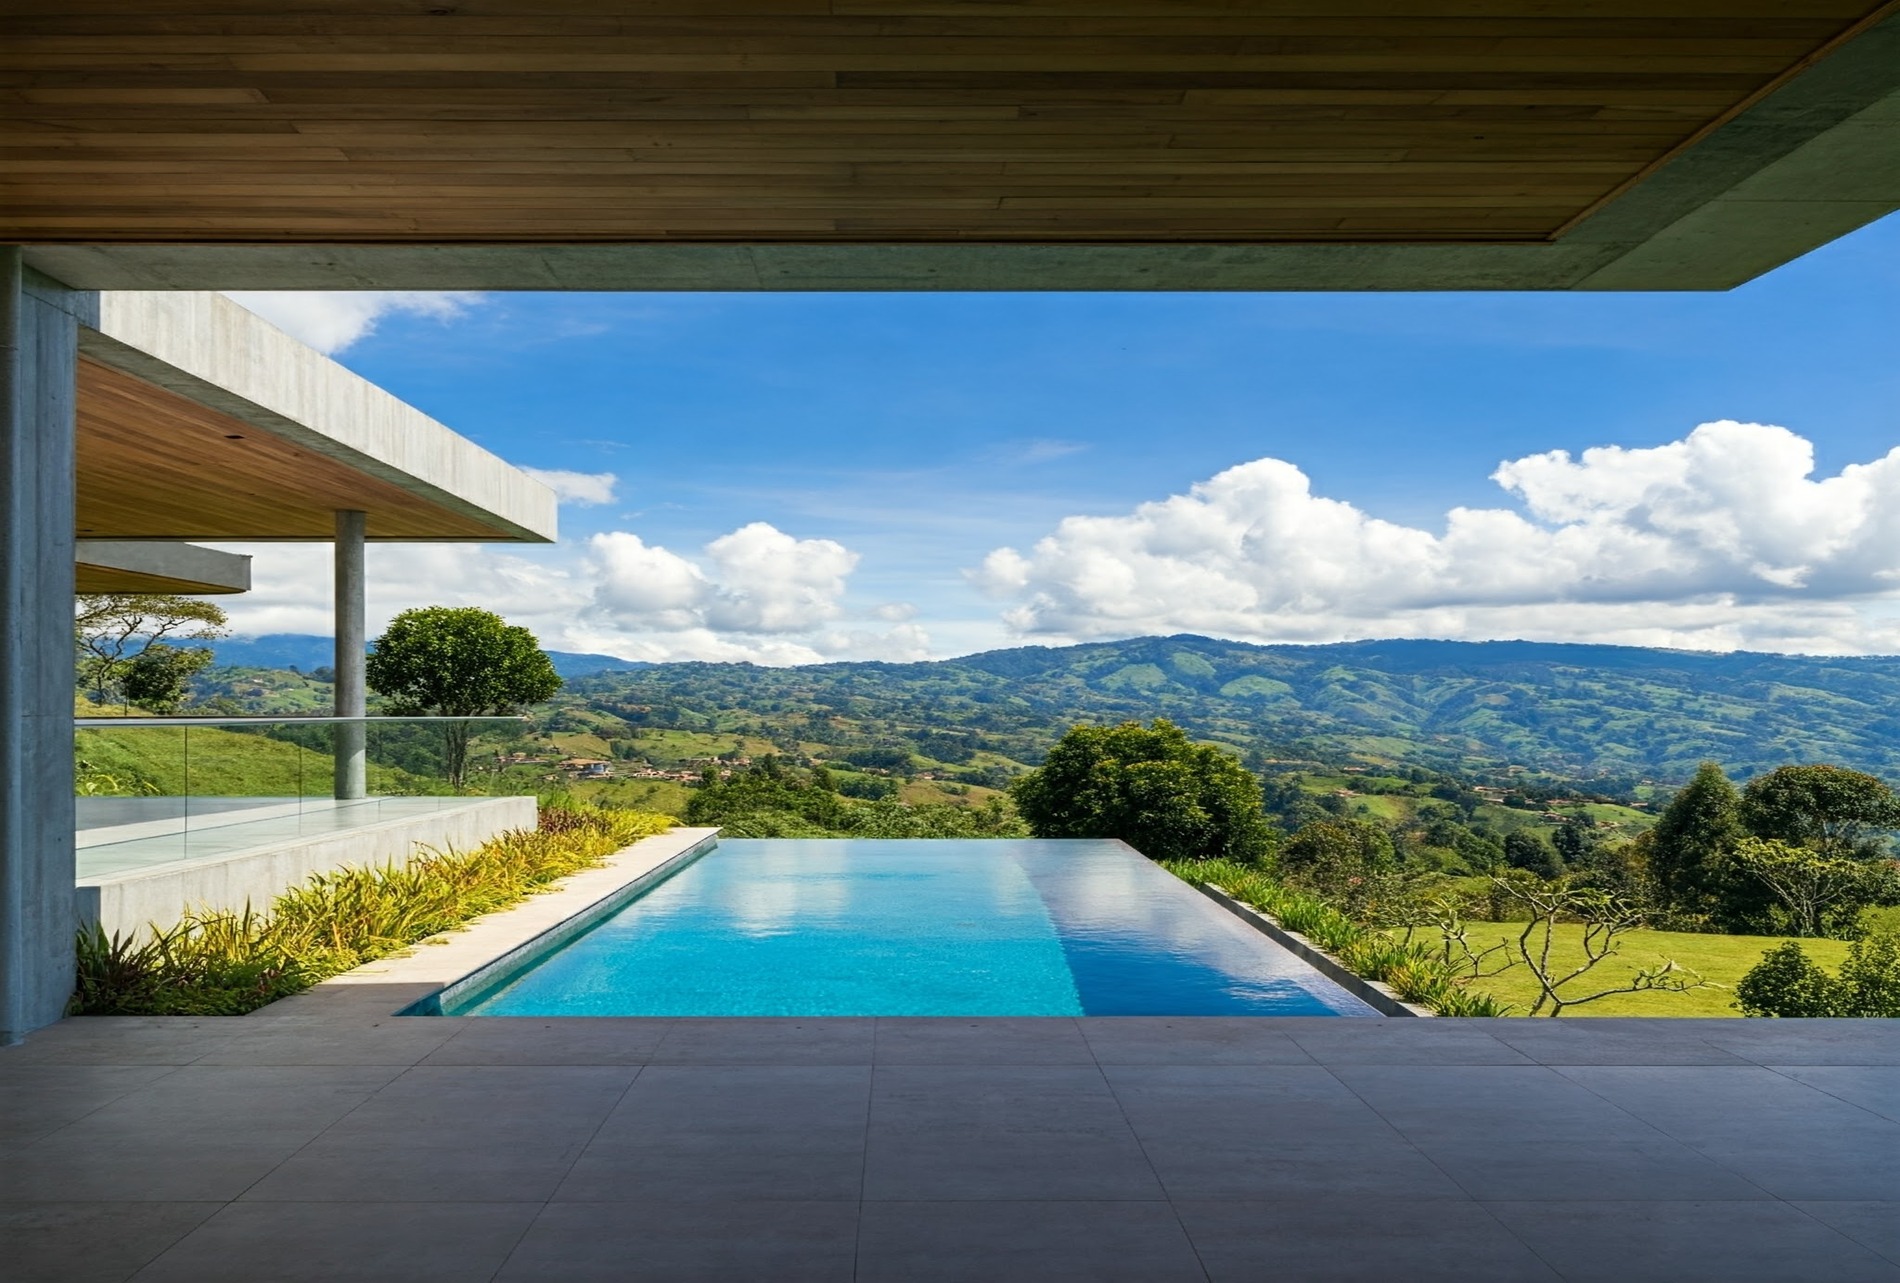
130,902
38,355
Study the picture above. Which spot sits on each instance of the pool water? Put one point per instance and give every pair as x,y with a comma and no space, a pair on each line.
916,928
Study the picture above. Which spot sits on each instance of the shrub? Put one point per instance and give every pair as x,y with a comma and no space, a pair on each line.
228,963
1152,787
1788,983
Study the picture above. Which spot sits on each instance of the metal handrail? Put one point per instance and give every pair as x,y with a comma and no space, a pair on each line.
88,723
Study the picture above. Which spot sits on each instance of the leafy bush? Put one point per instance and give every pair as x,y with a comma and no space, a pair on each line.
1152,787
1352,866
1786,982
227,963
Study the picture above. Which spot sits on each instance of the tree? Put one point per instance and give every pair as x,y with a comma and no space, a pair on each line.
1353,844
111,630
1603,917
1575,842
1152,787
157,678
1690,844
1821,894
1353,866
1524,849
1836,811
457,662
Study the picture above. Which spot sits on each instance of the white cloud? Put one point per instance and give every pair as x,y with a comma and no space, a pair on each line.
585,489
332,320
760,580
1717,541
756,594
903,644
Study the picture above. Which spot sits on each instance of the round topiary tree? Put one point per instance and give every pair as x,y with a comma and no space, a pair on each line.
458,661
1151,786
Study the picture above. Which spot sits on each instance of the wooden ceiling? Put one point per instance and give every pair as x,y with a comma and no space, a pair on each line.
154,465
863,121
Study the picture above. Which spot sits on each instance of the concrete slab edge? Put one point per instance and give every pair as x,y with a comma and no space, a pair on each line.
1380,997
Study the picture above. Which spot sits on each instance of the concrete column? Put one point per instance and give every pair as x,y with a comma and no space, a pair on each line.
39,352
351,637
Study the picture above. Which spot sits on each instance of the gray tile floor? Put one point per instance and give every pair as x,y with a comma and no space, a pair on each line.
325,1140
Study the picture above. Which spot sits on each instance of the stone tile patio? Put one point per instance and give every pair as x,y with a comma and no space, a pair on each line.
323,1139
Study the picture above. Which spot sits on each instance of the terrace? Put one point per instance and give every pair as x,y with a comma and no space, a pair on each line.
1380,146
589,1147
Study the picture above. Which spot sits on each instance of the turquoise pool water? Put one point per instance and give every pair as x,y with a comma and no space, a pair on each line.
917,928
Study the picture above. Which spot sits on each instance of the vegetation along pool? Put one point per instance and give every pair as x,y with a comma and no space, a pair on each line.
915,928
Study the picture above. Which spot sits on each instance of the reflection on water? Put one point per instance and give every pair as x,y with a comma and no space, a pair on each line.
993,927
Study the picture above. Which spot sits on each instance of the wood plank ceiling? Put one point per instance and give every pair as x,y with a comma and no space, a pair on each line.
883,121
154,465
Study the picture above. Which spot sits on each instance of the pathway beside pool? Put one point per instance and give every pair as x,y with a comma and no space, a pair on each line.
329,1141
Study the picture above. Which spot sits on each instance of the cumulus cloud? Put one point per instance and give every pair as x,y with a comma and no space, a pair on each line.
332,320
585,489
757,595
1720,540
759,580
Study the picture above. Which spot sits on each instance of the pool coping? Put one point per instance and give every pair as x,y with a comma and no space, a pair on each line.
1382,998
478,951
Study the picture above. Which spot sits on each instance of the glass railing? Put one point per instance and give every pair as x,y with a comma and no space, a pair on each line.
153,790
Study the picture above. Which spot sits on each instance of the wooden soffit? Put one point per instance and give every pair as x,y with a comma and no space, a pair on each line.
866,121
155,465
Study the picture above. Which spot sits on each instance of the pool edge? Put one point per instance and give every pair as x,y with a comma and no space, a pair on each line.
1380,997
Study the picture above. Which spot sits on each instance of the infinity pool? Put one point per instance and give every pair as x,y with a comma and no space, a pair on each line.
915,928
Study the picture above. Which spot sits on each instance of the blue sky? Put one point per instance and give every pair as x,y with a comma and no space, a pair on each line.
922,433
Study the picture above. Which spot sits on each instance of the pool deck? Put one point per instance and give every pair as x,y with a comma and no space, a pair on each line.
326,1140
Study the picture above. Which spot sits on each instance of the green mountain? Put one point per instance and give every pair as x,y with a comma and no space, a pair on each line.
1622,715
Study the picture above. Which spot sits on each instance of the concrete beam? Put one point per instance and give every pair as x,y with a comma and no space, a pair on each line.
39,353
209,350
158,566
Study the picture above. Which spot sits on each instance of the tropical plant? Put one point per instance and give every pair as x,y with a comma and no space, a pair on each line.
1413,970
1151,786
458,662
228,962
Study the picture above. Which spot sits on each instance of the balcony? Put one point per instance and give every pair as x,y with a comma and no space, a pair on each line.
178,813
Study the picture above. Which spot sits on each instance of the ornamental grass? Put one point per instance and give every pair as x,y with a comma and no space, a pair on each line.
1414,971
225,963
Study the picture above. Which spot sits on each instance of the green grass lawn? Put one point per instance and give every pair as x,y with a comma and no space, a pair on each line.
1721,959
171,761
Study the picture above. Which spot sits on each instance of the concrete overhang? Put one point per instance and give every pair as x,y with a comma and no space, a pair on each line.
1148,144
199,420
155,566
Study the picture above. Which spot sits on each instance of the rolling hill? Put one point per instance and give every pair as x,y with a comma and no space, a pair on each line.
1575,711
1623,716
